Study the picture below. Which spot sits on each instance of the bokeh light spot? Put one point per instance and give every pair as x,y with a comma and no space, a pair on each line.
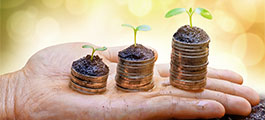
10,3
187,3
20,24
260,10
122,2
77,7
255,49
249,47
228,61
227,22
246,10
239,46
52,3
165,3
48,29
33,10
140,7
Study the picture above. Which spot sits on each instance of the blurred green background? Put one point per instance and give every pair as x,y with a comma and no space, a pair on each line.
236,31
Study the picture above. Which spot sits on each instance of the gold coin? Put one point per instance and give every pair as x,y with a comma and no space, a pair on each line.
188,85
134,71
132,86
133,82
85,90
134,78
143,88
137,63
89,78
88,83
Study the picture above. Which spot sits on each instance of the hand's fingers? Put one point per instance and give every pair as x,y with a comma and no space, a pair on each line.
112,53
132,106
233,104
56,59
163,69
162,107
227,75
234,89
129,106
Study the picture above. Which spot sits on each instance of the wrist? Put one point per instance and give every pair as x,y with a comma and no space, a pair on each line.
8,88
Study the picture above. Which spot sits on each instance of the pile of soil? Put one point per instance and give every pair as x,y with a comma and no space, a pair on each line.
257,113
138,52
85,66
187,34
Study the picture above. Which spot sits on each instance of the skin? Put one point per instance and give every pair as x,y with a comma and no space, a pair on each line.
40,91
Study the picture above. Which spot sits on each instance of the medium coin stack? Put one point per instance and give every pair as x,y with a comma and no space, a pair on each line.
189,64
88,84
133,76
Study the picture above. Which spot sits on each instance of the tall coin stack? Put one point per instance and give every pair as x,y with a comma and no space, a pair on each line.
188,67
87,84
135,76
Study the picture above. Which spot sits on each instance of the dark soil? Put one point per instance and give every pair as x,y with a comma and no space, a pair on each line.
139,52
85,66
187,34
257,113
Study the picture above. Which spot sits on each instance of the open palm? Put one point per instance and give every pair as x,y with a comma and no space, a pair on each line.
40,91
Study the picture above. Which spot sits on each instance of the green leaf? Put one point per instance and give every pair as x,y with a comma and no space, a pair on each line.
143,28
127,25
204,13
190,10
101,49
174,12
87,46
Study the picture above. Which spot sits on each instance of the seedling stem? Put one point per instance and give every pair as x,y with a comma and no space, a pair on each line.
94,50
203,12
135,31
138,28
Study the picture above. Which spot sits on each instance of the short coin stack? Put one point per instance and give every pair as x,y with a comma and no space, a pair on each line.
133,76
189,64
88,84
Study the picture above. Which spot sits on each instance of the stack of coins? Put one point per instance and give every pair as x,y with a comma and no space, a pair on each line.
133,76
188,67
88,84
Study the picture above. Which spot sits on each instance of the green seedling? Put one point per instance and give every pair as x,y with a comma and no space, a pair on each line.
203,12
94,50
138,28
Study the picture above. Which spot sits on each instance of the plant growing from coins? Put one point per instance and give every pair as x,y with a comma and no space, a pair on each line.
94,50
138,28
201,11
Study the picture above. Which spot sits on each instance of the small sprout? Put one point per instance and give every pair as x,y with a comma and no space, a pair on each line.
203,12
94,50
138,28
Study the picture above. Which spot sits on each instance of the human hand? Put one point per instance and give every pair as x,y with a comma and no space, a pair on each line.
40,91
